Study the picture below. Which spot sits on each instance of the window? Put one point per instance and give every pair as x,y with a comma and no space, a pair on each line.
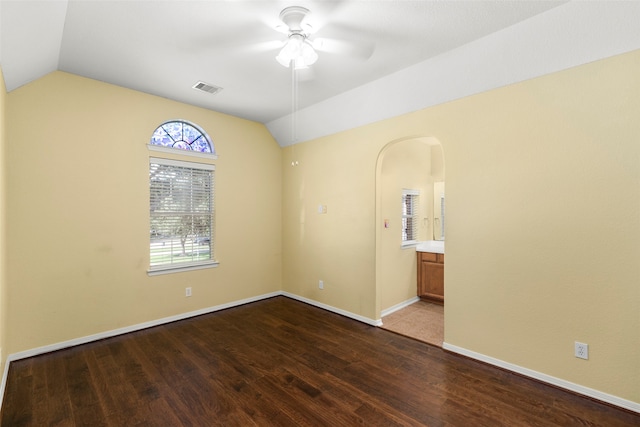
181,206
410,207
182,135
182,213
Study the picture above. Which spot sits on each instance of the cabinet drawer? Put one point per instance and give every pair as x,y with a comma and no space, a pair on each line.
431,257
428,256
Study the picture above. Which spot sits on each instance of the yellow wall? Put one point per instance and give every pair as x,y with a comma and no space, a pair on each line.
437,162
337,247
78,211
543,221
3,282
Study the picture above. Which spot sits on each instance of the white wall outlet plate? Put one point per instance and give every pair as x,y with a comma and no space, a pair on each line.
582,350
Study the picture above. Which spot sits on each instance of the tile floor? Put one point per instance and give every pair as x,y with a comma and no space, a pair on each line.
423,321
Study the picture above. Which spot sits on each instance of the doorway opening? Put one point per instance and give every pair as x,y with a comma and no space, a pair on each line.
413,165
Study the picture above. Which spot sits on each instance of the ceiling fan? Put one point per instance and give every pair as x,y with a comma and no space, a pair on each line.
300,50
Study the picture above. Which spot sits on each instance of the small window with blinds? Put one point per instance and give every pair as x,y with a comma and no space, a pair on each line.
410,208
182,213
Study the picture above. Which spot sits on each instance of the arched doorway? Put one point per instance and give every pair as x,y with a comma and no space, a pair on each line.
412,165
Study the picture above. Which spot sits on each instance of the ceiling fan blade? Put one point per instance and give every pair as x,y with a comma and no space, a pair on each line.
359,49
261,46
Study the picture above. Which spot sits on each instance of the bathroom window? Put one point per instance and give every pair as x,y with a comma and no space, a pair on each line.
410,207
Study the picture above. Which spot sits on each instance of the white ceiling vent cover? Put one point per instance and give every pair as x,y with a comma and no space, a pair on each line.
206,87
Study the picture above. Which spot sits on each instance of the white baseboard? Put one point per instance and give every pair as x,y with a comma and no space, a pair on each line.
345,313
399,306
576,388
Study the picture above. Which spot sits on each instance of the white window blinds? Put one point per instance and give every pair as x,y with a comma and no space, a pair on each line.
181,214
410,216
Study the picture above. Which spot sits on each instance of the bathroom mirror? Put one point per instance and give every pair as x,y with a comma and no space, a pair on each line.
438,210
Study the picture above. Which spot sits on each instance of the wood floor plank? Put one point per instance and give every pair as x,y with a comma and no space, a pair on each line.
280,362
21,399
39,412
58,402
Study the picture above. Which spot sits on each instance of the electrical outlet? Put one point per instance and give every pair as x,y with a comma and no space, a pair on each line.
187,292
582,350
320,284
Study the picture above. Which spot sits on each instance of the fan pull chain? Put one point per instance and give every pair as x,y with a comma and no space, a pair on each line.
294,101
294,108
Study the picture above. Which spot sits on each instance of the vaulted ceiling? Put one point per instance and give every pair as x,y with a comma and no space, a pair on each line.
387,48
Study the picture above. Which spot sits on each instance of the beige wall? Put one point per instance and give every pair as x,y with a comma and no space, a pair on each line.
3,281
339,246
78,211
437,162
543,221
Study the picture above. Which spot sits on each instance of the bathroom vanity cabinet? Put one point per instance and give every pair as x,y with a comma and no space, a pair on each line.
431,276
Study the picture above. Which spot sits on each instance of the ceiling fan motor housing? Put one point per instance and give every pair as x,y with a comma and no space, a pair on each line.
292,16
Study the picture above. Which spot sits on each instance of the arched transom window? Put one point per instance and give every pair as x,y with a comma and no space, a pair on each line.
182,135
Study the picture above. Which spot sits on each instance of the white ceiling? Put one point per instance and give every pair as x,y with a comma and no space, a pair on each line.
165,47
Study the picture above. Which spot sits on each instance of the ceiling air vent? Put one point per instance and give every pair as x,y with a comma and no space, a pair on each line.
206,87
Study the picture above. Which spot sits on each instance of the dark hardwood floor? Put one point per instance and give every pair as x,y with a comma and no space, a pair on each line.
280,362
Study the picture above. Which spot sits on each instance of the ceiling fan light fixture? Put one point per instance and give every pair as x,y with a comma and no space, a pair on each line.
299,50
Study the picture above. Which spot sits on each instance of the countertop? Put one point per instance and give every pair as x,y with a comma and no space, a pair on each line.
433,246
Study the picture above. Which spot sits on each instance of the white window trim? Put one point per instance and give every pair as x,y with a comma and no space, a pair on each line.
182,163
187,266
164,269
190,153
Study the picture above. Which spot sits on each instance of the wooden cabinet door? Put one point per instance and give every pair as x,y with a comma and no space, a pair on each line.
431,276
434,281
422,277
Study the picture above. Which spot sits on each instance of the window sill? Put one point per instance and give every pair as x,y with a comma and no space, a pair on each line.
164,269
